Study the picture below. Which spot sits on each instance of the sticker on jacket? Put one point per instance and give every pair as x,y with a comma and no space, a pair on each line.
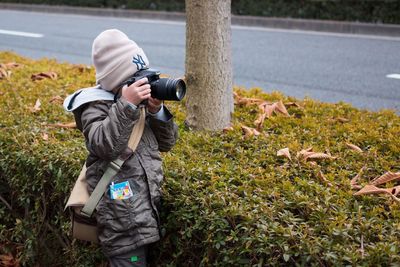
121,190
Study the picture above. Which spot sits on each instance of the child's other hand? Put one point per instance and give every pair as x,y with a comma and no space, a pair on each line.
154,105
137,91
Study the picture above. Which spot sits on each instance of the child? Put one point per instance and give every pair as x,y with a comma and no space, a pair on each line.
127,219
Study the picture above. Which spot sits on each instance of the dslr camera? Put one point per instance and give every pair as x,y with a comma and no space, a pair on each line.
161,88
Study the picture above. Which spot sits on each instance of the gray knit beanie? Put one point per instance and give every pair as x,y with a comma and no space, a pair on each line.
116,58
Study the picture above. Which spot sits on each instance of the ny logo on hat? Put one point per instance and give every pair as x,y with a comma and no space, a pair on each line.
140,64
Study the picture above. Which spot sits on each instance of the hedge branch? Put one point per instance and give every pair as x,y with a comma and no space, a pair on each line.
6,203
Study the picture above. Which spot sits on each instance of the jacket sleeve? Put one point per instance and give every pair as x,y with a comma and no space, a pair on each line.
107,127
166,131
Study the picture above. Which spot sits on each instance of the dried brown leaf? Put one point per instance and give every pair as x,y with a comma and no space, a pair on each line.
280,107
395,198
292,104
372,189
10,65
319,156
36,107
354,147
305,152
63,125
395,190
308,154
354,182
44,75
249,132
56,99
81,68
45,136
269,109
342,120
385,178
8,260
249,101
324,179
259,122
284,152
240,100
227,129
4,74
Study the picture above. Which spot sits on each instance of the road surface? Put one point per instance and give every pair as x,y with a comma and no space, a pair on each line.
361,70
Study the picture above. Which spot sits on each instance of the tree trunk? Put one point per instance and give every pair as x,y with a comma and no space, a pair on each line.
208,64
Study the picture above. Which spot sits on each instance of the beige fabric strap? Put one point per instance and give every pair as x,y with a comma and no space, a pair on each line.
137,131
113,167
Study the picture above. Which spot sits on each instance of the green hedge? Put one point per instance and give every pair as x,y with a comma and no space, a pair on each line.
229,200
385,11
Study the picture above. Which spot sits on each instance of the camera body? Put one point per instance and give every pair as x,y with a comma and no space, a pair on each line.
161,88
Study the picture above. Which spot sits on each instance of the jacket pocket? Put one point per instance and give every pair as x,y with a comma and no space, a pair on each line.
115,214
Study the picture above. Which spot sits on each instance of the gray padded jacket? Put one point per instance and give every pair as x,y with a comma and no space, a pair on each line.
126,224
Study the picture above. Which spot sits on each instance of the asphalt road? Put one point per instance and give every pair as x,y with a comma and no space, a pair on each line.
327,67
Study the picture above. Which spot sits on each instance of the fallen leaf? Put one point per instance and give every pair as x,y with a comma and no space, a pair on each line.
7,260
268,108
56,99
319,156
343,120
372,189
284,152
292,104
324,179
280,107
249,132
10,65
395,190
4,73
354,147
248,101
44,75
81,68
385,178
259,122
45,136
354,182
307,154
63,125
240,100
227,129
36,108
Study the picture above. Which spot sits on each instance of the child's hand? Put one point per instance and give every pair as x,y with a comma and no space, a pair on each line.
154,105
137,91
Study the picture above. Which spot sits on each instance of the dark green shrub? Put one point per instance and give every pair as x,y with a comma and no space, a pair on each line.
228,200
385,11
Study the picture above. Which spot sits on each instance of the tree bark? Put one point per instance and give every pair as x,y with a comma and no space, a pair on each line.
208,64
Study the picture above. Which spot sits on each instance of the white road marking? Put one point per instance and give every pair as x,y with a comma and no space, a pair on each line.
393,76
23,34
310,32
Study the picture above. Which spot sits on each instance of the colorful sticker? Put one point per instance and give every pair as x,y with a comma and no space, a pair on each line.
121,190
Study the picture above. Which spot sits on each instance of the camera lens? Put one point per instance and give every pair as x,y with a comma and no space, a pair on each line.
168,89
180,89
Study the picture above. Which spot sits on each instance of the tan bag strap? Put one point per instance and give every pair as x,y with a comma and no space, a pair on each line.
113,167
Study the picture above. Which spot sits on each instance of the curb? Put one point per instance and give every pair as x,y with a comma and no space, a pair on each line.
392,30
